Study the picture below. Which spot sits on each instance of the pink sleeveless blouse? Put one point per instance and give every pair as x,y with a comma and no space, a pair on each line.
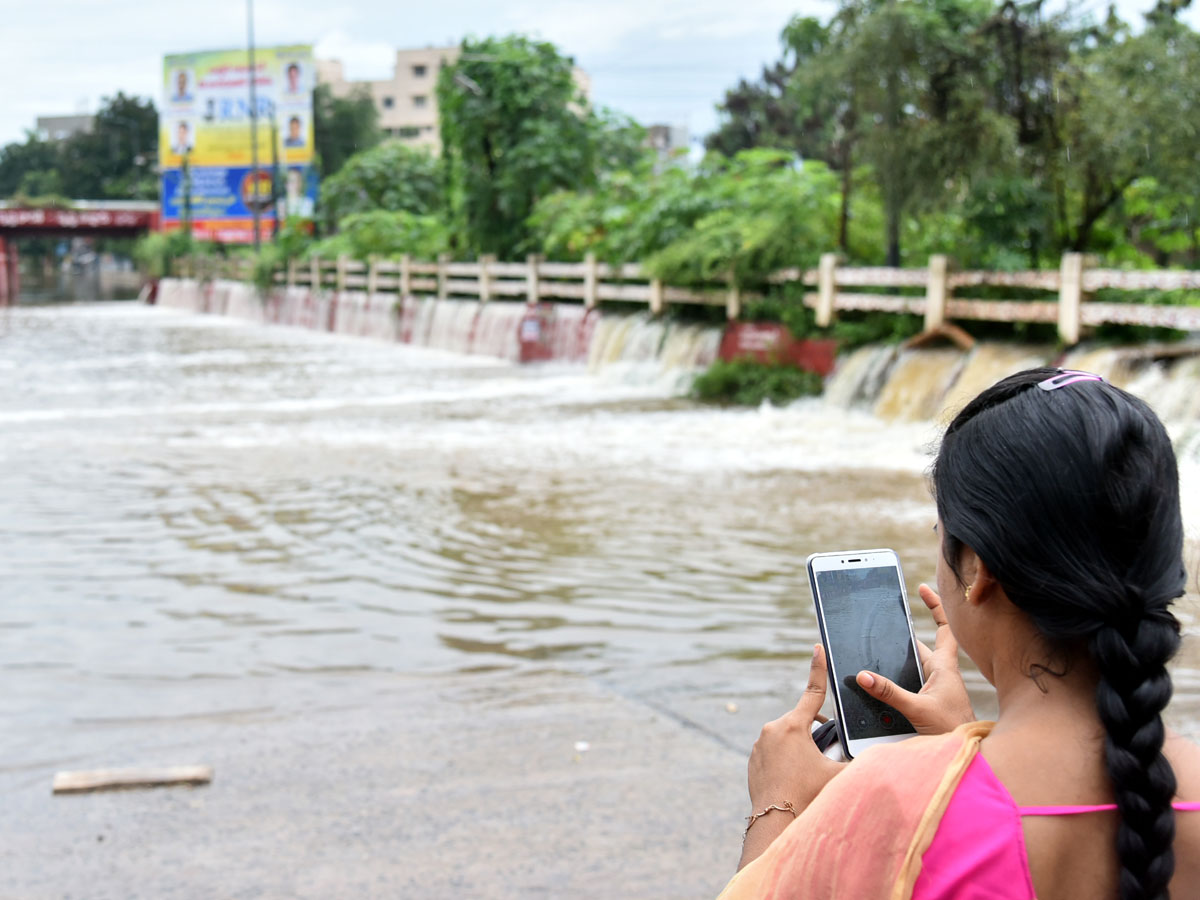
978,851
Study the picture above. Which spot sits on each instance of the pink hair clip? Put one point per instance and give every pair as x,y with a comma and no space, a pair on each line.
1065,377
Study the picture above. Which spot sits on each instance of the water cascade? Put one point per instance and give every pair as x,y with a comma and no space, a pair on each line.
927,384
634,348
901,385
917,383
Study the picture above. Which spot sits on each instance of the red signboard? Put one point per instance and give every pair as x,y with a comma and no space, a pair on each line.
77,220
769,342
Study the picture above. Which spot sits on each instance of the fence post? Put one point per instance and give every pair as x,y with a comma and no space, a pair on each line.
733,301
291,271
826,288
372,275
533,285
936,291
442,260
314,269
1070,297
589,280
656,296
406,275
485,278
340,275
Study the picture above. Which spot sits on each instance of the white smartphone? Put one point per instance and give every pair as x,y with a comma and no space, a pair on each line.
862,611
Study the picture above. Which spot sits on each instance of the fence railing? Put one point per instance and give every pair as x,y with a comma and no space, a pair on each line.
946,292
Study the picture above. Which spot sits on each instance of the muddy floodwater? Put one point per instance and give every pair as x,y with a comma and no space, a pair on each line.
188,497
193,506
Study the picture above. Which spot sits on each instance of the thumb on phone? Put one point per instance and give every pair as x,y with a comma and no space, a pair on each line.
941,706
889,692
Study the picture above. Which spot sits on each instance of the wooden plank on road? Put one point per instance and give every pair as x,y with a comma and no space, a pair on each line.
121,779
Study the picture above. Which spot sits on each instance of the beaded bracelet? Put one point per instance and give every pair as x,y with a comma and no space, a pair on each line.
786,806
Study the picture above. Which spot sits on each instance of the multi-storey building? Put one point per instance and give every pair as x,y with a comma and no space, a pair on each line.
59,128
407,103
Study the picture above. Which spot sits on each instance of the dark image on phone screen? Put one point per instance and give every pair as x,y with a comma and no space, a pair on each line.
866,626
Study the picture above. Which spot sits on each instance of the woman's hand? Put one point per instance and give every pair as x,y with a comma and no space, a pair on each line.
942,704
786,766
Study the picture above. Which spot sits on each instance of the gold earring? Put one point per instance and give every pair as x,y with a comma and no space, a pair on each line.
967,593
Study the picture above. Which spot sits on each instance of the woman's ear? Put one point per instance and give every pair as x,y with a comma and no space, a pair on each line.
981,583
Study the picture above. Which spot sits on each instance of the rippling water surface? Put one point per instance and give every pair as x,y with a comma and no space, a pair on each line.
191,498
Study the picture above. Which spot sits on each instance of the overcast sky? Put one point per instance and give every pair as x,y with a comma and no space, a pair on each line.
658,60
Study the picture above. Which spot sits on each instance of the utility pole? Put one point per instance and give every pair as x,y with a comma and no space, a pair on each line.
187,194
255,206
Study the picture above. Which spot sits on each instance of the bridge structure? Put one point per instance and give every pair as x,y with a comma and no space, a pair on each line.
81,218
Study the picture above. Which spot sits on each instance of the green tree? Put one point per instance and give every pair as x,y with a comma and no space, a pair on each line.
32,158
738,219
342,127
514,128
391,177
387,234
765,214
115,160
805,103
1135,100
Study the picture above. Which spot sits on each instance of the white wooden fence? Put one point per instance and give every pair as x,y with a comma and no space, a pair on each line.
946,297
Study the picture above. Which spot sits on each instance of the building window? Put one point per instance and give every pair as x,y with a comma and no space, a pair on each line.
419,71
419,101
408,131
388,102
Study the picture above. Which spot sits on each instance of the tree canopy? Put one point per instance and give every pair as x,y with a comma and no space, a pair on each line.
114,160
342,127
515,128
390,177
1033,130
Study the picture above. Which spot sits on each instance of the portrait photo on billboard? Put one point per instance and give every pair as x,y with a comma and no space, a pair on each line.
295,135
183,83
182,141
294,82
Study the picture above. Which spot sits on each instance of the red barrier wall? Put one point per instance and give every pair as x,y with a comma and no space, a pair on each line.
769,342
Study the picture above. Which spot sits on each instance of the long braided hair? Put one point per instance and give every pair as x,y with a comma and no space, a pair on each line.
1071,499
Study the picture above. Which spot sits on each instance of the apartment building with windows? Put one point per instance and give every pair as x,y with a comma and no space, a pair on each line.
407,103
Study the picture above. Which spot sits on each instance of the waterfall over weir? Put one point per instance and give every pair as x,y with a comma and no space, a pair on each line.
629,347
893,383
934,384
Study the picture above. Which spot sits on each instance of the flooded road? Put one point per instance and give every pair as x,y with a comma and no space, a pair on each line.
190,497
204,517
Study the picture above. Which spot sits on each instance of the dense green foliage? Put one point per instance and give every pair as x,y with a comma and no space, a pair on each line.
115,160
749,383
292,241
342,127
731,220
1015,134
390,177
515,128
386,233
155,252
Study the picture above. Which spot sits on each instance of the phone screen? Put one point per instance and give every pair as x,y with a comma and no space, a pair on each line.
866,624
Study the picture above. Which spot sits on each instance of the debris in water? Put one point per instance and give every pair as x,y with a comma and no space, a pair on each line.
731,707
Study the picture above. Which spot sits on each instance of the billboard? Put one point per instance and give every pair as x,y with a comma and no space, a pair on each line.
204,146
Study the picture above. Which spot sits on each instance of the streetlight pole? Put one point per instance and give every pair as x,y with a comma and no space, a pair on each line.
254,204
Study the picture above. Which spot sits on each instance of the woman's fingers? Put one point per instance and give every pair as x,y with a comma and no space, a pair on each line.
924,653
888,691
813,697
934,602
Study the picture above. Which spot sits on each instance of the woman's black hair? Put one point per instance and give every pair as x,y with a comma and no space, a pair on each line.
1070,497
